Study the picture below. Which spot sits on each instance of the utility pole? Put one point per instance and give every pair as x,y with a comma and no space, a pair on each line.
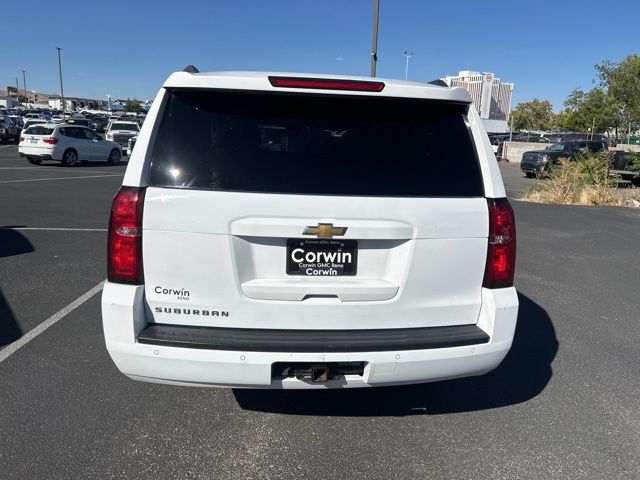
408,55
61,88
24,84
374,45
17,91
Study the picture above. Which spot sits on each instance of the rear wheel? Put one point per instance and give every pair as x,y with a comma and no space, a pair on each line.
114,156
530,174
34,160
70,158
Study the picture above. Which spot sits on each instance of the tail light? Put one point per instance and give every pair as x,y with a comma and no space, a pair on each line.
124,243
326,84
501,252
50,140
22,139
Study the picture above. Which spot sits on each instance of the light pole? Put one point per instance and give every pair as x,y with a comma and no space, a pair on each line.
407,55
108,103
61,88
374,42
24,84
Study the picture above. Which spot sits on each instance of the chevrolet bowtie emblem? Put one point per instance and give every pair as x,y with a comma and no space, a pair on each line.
325,230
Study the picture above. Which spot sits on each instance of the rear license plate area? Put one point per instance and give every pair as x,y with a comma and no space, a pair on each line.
321,258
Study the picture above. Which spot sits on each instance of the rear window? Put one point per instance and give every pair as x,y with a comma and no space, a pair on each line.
124,126
314,144
38,130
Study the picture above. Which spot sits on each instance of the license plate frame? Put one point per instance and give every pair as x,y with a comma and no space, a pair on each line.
341,258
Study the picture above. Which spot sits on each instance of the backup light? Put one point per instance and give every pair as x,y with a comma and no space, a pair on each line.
326,84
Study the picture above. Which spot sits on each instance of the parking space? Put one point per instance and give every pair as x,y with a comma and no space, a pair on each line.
562,405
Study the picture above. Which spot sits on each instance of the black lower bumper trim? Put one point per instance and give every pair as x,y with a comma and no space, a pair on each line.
268,340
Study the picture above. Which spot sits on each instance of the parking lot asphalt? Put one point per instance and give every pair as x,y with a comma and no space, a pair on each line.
564,404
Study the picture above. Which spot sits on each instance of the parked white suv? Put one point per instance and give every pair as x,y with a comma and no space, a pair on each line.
120,131
291,231
68,144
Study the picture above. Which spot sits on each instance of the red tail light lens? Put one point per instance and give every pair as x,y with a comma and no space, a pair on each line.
22,139
327,84
50,140
501,253
124,243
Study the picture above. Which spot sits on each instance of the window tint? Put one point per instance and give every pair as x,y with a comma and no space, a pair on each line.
595,147
38,130
74,132
125,126
314,144
88,134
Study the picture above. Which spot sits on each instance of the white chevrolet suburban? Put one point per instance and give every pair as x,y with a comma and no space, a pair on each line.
305,231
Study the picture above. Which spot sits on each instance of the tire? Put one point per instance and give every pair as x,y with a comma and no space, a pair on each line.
530,174
70,158
34,160
114,157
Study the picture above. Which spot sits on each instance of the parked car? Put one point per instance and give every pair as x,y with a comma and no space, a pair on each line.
99,124
79,121
536,162
65,143
374,247
8,129
121,131
29,122
624,167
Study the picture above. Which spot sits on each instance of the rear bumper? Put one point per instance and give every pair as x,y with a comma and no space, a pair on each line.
532,167
147,353
42,153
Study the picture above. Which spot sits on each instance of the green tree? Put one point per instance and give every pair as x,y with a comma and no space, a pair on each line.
132,105
622,83
533,115
595,109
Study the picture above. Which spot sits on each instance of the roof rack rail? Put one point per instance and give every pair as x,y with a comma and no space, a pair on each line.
191,69
439,82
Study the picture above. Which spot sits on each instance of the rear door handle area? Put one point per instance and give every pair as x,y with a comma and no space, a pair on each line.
300,289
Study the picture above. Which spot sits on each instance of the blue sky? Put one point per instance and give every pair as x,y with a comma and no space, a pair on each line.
127,48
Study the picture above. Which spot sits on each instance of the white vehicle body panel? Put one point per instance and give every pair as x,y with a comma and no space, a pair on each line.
421,264
124,317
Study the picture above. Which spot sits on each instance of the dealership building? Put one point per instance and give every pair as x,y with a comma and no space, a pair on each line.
491,97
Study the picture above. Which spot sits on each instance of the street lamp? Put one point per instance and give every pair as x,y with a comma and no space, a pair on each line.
407,55
108,103
61,88
24,84
374,40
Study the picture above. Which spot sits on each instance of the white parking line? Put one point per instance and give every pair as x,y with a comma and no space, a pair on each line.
6,146
54,229
59,178
49,322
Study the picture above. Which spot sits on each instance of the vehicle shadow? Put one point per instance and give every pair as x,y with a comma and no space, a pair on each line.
9,329
12,243
522,375
86,164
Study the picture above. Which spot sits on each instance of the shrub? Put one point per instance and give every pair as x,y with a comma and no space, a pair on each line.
585,181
